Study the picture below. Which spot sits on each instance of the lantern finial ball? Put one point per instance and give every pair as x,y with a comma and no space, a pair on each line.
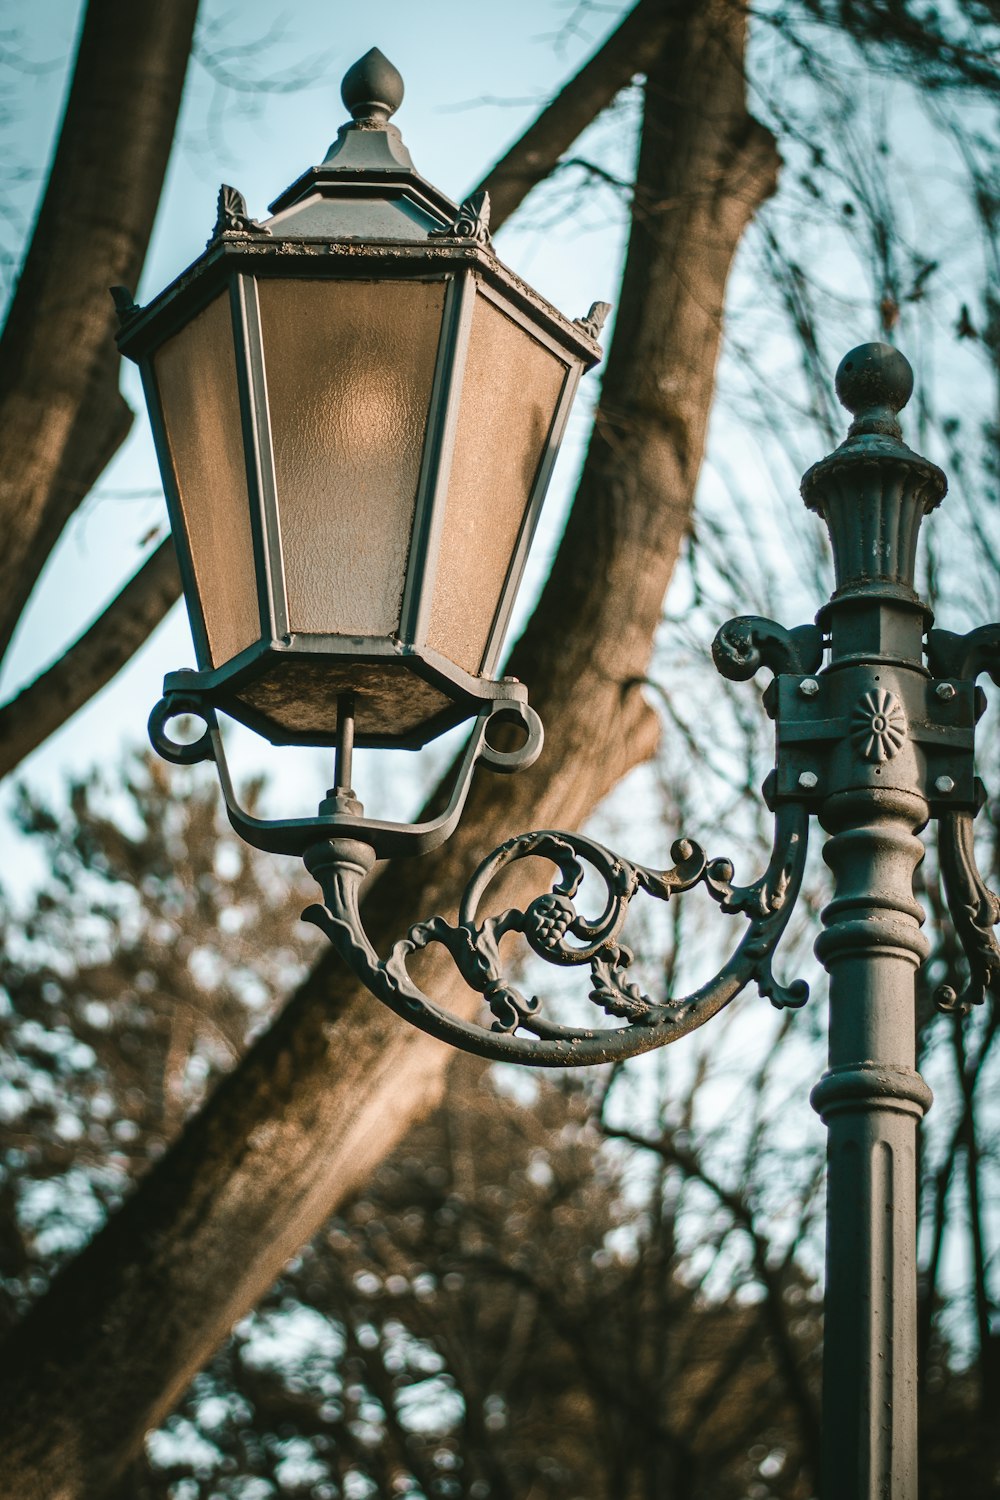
372,90
874,382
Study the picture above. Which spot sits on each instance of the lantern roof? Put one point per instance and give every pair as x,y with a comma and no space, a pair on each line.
367,187
365,210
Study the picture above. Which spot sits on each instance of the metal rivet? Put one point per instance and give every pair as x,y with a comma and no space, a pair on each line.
808,780
946,691
809,687
944,784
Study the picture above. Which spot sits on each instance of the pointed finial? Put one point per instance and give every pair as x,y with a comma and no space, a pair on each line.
874,382
372,90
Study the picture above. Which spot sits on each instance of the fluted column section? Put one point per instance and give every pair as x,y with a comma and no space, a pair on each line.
872,1100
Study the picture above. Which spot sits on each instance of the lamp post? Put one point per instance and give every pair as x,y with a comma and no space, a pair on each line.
357,408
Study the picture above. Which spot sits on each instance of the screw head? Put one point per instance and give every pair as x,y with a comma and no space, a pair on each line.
944,785
808,687
808,780
946,691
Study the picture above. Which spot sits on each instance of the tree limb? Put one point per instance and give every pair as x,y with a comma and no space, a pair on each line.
61,413
92,660
628,51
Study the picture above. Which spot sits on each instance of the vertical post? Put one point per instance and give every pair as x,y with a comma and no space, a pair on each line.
872,1100
340,797
871,796
344,754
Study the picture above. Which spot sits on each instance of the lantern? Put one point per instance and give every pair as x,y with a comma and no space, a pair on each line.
356,410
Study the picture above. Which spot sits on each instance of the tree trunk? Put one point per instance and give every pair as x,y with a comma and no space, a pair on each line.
62,416
337,1080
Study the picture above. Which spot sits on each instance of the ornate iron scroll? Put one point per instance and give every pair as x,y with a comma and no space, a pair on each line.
745,644
975,910
965,656
557,932
383,840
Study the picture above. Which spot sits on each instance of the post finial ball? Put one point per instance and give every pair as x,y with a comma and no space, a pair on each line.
874,381
372,89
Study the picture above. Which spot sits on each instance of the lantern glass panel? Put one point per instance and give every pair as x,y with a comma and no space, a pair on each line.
350,365
510,391
196,378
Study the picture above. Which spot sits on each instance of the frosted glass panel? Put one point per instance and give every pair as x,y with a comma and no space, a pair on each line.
511,387
196,376
349,372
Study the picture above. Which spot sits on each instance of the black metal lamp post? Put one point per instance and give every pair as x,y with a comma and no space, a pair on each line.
356,410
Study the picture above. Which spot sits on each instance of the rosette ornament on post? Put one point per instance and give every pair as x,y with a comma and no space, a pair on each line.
357,408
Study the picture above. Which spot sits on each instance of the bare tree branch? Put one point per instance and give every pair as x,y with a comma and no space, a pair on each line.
628,51
92,660
61,414
771,1278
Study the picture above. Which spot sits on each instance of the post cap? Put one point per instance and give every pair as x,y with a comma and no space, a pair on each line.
874,382
873,491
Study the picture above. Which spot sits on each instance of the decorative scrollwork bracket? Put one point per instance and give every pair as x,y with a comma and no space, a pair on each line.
745,644
557,932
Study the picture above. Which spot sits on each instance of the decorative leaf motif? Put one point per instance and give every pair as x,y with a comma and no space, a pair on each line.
472,222
595,319
232,217
125,305
614,993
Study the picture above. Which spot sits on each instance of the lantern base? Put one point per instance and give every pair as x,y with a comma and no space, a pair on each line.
340,818
288,692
